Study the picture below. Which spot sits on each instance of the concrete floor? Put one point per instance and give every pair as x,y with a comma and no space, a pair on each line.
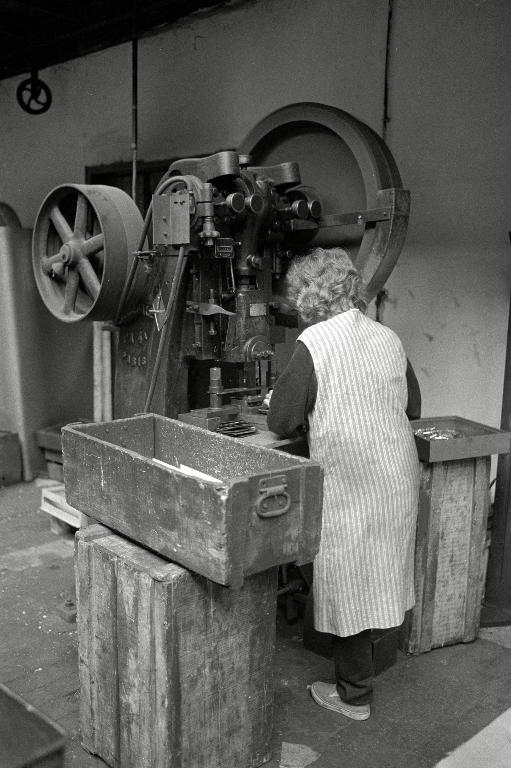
449,708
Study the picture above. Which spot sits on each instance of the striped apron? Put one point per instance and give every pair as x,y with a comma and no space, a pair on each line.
359,432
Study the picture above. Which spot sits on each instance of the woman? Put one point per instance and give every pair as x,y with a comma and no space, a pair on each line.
349,386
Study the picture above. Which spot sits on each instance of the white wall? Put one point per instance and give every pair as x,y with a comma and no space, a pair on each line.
449,132
206,82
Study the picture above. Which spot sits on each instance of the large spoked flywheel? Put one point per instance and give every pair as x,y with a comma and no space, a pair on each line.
365,208
83,244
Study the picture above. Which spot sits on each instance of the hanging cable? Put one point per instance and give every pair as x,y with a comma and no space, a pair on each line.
134,115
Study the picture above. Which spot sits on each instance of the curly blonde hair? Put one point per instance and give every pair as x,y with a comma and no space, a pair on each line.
324,283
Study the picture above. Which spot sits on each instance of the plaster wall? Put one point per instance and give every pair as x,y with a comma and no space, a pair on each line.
450,105
205,83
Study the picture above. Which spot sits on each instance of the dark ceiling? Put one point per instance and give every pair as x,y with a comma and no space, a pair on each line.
35,35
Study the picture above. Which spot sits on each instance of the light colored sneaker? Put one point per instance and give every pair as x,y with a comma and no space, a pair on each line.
325,694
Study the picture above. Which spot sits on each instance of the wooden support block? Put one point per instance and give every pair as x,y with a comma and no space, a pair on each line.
175,671
10,459
449,554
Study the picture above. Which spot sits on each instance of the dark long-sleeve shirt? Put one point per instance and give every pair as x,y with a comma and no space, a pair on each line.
295,393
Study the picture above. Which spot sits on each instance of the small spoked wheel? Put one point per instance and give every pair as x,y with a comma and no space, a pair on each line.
83,243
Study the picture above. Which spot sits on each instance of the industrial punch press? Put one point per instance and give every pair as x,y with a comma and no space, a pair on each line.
193,294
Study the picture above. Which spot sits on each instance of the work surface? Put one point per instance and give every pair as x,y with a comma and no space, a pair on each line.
425,706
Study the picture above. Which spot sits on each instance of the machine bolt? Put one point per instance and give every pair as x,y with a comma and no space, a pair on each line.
254,203
300,209
236,202
315,209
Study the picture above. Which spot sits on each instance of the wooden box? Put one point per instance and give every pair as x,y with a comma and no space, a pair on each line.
28,739
142,478
175,671
474,439
449,554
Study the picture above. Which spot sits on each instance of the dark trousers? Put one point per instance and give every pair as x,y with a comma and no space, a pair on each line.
353,663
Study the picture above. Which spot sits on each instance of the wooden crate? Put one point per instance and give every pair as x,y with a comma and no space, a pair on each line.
449,554
175,671
474,439
261,508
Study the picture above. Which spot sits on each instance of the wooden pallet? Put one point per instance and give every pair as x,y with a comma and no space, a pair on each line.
53,503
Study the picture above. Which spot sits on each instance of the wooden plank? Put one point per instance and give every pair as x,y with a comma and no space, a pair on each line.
431,560
53,503
455,522
191,684
102,629
411,633
135,663
83,616
478,550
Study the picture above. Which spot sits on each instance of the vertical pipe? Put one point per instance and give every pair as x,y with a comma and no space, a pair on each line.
97,371
386,87
134,116
106,353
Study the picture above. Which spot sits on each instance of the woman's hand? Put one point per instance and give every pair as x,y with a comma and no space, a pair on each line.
267,398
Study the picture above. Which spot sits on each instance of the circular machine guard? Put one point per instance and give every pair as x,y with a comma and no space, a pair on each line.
84,238
365,208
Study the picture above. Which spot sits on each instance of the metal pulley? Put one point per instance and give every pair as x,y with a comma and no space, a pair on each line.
83,244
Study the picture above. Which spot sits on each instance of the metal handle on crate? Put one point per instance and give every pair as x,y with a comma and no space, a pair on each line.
273,488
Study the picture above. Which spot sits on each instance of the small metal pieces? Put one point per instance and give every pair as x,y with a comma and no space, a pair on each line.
236,428
437,433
